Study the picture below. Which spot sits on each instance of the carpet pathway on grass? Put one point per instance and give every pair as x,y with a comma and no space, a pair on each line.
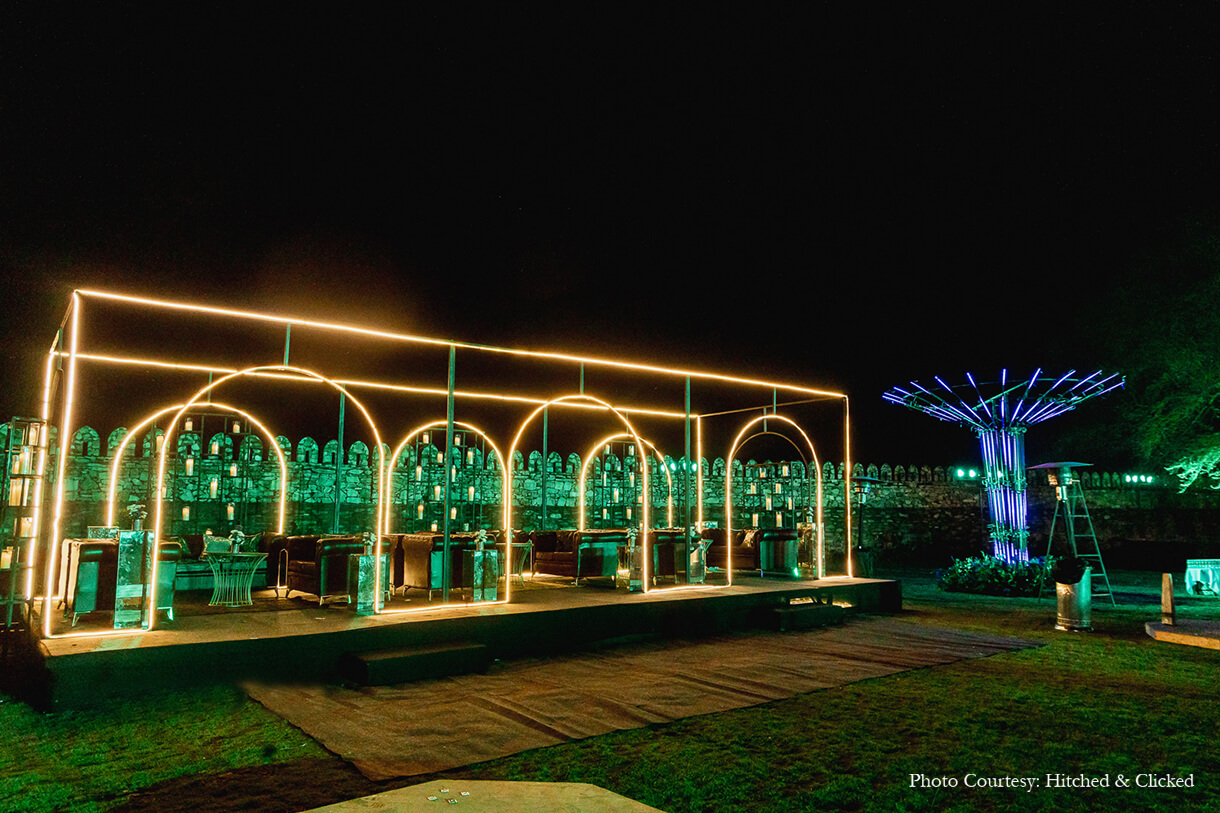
434,725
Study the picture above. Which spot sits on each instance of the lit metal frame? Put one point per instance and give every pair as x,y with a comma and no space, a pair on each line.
564,399
1000,426
584,469
391,463
406,337
112,489
738,442
65,433
40,467
164,456
73,319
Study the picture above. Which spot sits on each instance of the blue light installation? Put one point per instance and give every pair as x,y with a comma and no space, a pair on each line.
1000,421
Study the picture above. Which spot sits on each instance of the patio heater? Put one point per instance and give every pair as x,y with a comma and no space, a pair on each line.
1000,419
862,486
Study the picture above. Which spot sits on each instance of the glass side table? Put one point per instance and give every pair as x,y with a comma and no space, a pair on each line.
234,574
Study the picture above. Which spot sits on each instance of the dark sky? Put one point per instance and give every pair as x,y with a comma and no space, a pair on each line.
852,198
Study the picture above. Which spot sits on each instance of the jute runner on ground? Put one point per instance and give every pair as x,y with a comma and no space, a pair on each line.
435,725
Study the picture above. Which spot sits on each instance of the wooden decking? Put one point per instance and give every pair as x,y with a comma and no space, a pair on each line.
305,643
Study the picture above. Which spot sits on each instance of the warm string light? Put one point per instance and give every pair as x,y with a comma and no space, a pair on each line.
740,441
64,447
120,450
424,431
584,470
508,503
177,420
381,385
385,334
73,355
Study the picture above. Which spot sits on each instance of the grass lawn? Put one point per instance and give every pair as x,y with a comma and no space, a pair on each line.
1102,704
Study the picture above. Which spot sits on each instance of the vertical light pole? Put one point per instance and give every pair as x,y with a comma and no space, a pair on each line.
862,486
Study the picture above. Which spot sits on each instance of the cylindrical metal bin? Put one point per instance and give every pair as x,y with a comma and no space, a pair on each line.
1076,604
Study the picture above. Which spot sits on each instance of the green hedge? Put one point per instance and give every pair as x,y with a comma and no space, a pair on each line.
989,576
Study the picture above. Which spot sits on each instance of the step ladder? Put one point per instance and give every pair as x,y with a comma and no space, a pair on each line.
25,464
1072,512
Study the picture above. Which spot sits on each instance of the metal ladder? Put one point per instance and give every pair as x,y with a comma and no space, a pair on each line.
1078,528
25,464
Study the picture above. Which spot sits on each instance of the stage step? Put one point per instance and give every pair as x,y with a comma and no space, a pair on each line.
800,616
382,667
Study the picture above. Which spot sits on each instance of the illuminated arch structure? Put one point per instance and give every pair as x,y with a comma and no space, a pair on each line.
1000,418
112,487
69,356
815,502
584,473
441,425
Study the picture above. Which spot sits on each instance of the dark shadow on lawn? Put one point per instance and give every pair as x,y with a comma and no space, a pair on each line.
284,787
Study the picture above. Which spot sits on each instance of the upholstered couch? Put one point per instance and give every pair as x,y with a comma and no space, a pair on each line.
89,576
418,558
578,554
669,553
423,560
745,554
771,550
318,565
194,572
778,551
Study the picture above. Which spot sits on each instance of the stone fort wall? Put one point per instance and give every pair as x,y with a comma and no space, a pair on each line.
915,515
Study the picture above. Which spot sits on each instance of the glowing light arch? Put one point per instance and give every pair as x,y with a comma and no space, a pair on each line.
566,399
112,489
390,463
434,425
163,456
738,442
584,469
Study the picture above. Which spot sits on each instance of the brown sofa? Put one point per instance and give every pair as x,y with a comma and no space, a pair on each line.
778,551
318,565
89,578
669,553
745,554
578,554
418,558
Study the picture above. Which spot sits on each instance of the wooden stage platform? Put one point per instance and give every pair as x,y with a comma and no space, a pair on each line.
310,644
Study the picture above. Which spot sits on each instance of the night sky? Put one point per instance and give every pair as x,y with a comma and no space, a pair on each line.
848,198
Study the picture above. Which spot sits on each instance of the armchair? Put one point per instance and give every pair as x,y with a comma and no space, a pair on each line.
91,574
318,565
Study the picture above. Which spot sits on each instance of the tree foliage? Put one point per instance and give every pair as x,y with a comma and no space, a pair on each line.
1166,337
